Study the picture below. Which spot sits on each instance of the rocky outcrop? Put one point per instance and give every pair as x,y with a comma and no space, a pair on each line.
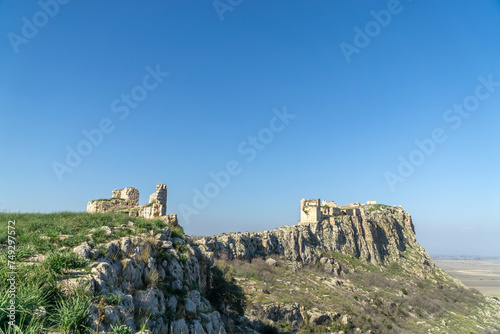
378,237
151,276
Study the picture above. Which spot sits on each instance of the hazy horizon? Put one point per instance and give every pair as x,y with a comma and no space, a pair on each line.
242,110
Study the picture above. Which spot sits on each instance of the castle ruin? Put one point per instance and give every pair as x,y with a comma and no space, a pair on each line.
314,210
126,200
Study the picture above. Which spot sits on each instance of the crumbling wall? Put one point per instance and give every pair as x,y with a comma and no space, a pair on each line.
329,208
330,211
130,195
126,200
120,199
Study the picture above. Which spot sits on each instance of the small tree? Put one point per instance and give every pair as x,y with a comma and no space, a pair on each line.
224,291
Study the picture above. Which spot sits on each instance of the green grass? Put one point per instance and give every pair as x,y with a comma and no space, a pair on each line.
177,231
109,299
374,207
58,262
107,199
353,262
387,299
38,233
38,285
121,329
71,314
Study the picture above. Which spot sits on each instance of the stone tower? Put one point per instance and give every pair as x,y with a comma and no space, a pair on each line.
160,197
310,211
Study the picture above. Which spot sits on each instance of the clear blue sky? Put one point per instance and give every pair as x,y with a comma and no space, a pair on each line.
229,67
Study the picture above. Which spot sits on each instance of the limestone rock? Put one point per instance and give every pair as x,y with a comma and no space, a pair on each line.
179,327
197,328
278,312
83,251
107,231
215,324
378,237
190,308
271,262
151,301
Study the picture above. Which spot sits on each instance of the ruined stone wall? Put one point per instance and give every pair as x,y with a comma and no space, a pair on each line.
105,205
330,211
330,204
130,195
127,201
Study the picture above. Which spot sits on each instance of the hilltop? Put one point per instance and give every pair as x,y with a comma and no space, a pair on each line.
131,269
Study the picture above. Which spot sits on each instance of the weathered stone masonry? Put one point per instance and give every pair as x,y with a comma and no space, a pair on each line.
126,200
315,210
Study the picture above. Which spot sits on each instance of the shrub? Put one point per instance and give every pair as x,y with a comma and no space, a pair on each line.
177,231
183,258
224,291
268,329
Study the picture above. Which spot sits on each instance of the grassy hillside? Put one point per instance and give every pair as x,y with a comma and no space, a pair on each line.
388,299
41,302
407,296
38,233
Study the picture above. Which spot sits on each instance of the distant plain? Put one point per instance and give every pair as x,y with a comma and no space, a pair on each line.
479,273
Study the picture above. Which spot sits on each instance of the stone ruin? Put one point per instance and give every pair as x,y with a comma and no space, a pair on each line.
126,200
315,210
310,211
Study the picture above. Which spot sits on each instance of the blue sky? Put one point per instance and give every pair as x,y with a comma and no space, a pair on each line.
233,66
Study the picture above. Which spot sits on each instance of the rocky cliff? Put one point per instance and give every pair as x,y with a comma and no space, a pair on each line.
378,235
158,279
361,271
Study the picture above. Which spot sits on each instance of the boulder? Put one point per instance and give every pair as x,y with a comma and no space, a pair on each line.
179,327
190,308
271,262
151,301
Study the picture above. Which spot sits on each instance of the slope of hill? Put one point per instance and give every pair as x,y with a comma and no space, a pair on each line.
353,273
366,273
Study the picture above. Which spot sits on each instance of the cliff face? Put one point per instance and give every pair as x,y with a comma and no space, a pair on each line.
361,271
378,237
160,281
